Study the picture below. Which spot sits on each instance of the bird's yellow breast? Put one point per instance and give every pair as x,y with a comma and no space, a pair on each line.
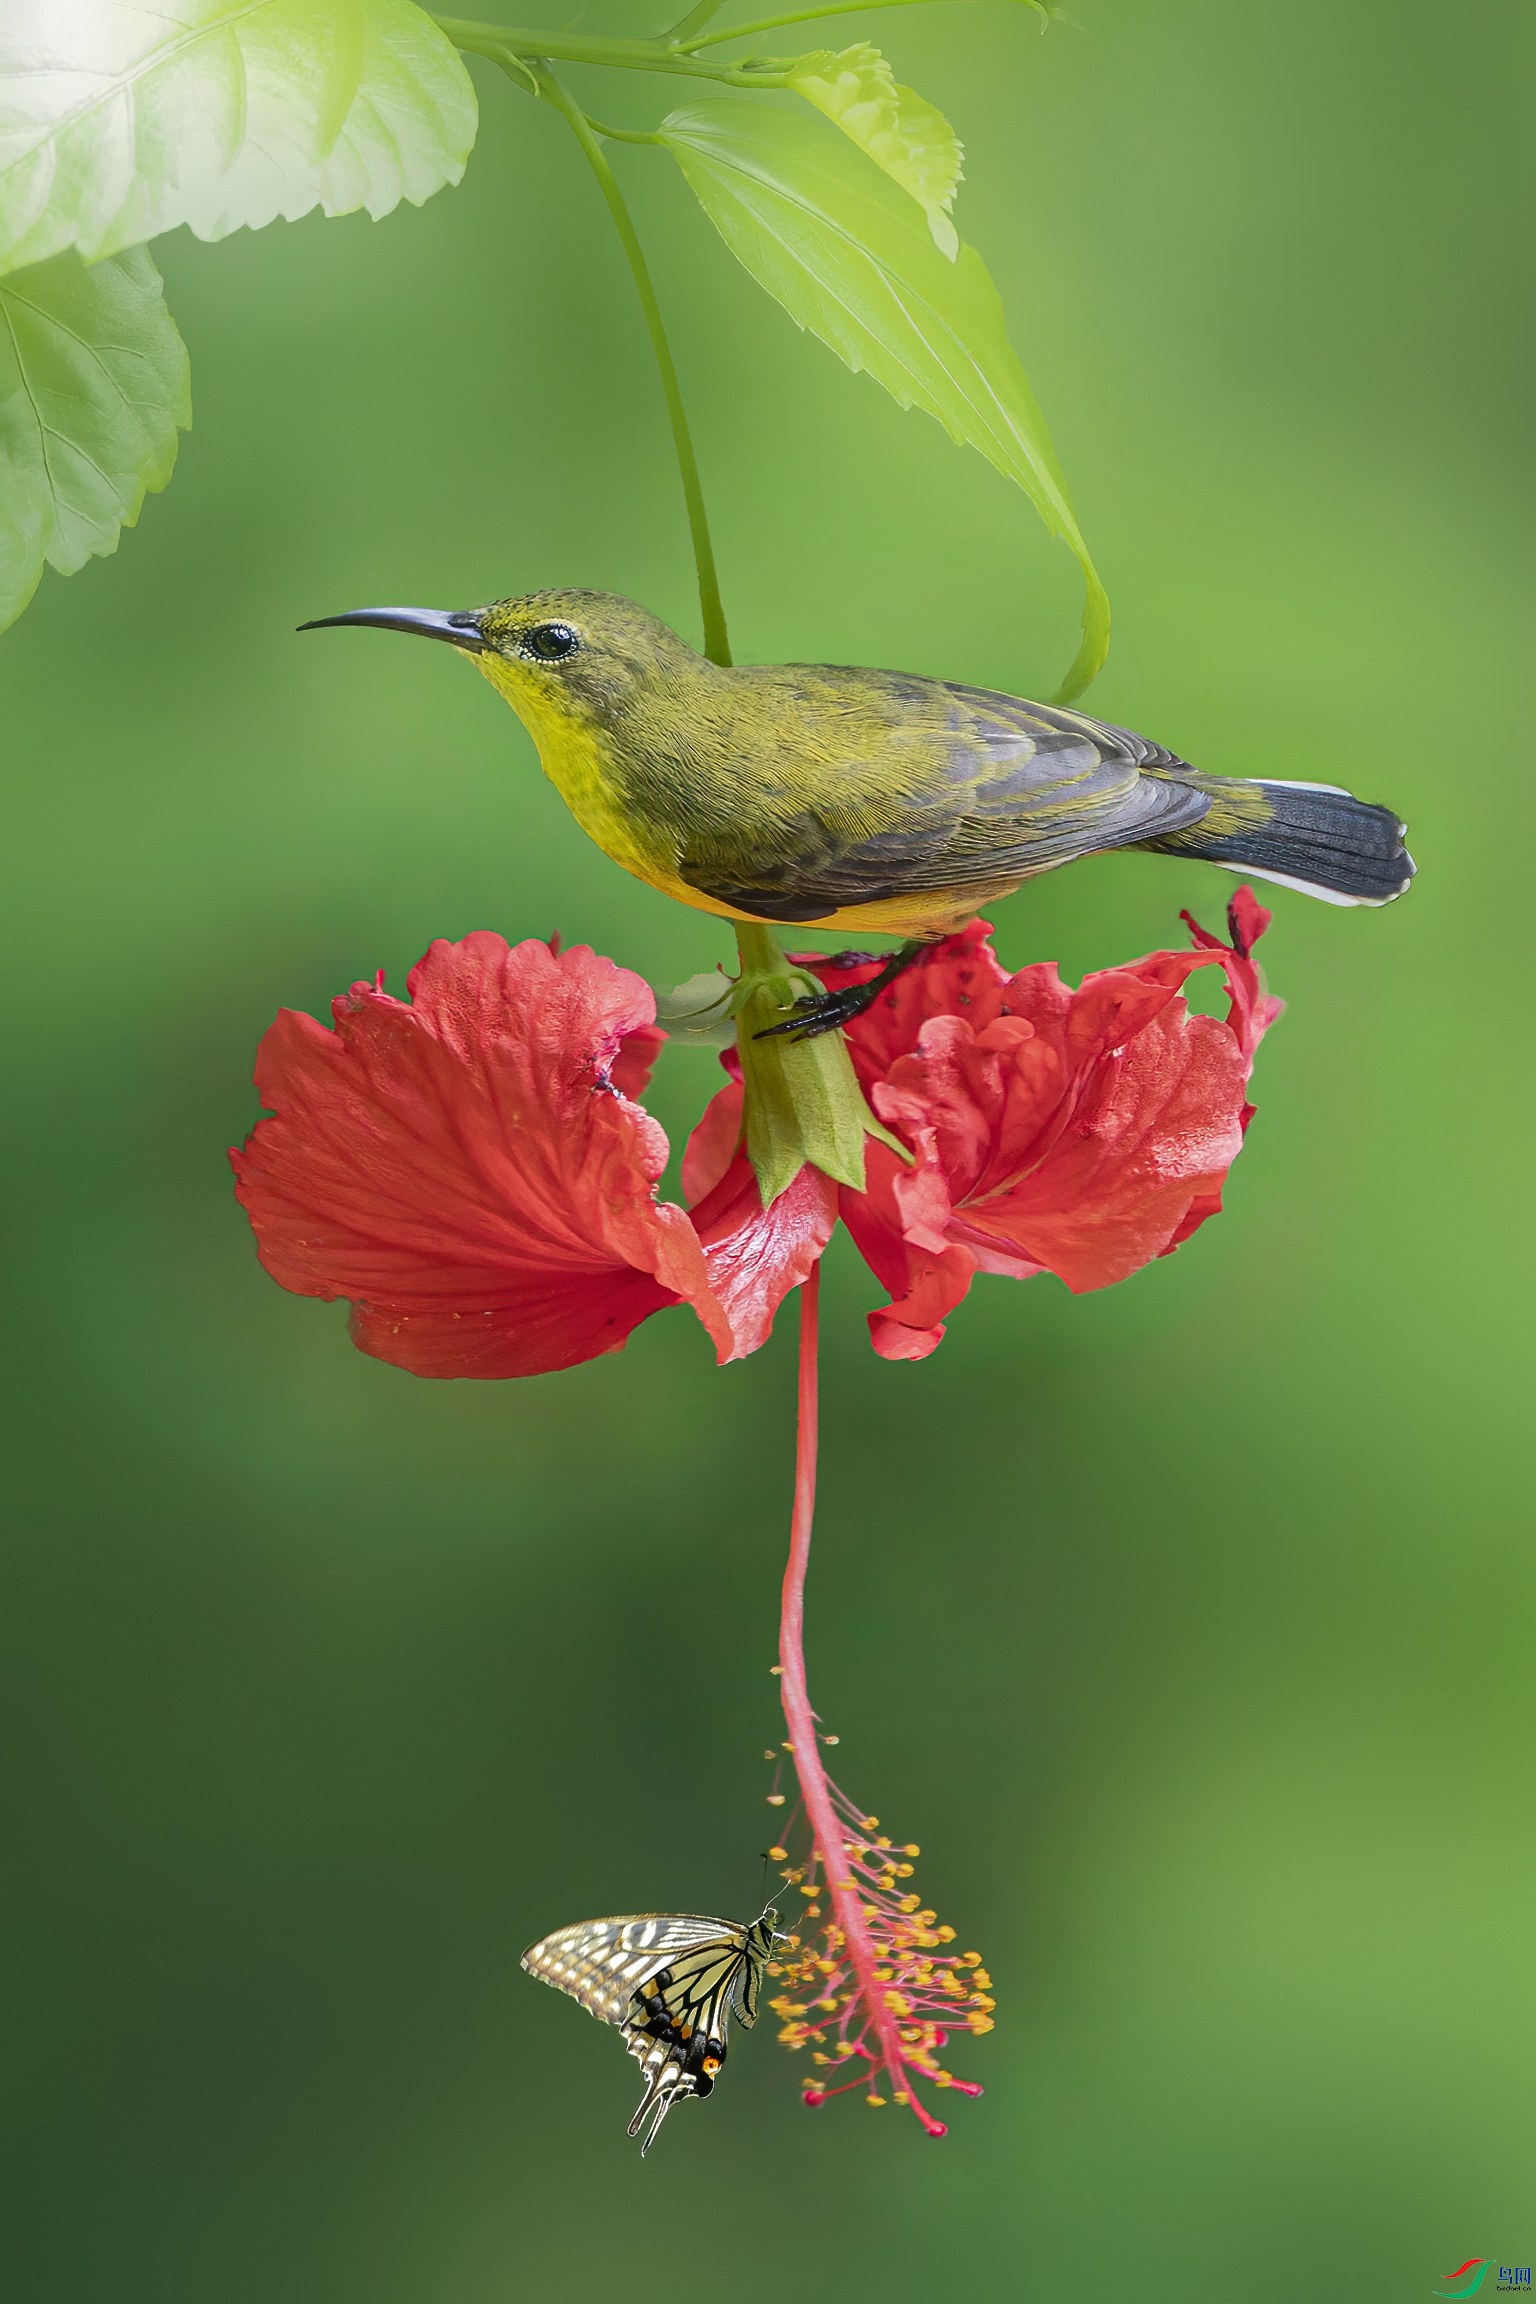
575,758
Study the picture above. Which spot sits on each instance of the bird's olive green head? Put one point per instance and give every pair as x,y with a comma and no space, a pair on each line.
555,656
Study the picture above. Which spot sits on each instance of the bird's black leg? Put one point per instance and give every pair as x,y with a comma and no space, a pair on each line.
826,1011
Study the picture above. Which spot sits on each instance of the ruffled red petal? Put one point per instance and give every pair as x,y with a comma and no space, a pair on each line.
469,1170
1078,1132
755,1255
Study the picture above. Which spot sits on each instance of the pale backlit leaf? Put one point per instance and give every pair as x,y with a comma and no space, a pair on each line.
93,391
119,121
848,256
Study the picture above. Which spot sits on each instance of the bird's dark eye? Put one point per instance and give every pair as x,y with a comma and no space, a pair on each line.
550,642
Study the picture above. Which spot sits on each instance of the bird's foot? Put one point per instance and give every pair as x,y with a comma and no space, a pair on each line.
820,1012
829,1011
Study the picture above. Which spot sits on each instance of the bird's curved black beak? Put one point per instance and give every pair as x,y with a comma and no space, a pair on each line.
459,627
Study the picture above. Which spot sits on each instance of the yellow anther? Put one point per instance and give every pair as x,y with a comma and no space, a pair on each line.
980,1976
870,1823
911,1849
775,1799
909,1904
874,2099
946,1935
777,1855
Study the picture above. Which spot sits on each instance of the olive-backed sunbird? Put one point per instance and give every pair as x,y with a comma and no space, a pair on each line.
834,797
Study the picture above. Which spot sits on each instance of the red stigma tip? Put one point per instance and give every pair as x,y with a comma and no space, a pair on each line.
814,2096
937,2130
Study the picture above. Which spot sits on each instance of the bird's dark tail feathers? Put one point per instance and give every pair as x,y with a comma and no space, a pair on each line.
1311,836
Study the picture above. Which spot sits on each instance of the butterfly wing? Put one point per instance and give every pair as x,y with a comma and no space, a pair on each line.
602,1963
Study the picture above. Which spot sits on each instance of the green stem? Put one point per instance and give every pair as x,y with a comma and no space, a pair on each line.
622,135
711,609
496,42
808,16
695,19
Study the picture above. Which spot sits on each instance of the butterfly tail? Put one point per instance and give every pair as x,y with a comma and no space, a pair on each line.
664,2083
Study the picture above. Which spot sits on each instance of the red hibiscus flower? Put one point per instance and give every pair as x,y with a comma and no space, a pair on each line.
471,1169
1080,1133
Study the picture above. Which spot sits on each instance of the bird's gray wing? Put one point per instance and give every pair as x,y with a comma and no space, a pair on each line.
1013,788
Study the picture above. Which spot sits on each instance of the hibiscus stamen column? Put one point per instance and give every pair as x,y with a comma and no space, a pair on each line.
827,1830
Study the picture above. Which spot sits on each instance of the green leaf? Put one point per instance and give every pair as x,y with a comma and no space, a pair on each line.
902,133
847,255
118,122
93,389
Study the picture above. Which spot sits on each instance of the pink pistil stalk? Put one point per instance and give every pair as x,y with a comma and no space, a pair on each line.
886,1995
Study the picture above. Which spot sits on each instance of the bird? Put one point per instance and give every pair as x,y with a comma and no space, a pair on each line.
831,796
668,1981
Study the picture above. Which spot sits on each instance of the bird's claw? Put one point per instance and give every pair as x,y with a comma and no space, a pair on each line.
819,1012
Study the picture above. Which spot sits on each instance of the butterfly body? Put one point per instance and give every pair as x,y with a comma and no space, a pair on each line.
668,1982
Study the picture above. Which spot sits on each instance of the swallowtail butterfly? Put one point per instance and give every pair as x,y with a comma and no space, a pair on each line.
669,1981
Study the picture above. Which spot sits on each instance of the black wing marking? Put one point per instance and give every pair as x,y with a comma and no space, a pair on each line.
1017,788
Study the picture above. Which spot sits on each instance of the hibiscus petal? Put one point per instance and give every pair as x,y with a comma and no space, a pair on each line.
717,1138
1159,1128
1082,1133
754,1257
466,1168
924,1288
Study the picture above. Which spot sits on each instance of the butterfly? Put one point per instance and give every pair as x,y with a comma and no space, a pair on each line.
669,1981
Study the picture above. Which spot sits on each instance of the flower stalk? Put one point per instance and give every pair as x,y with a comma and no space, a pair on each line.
881,1996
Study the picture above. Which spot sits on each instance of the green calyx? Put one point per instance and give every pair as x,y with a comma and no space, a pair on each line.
803,1100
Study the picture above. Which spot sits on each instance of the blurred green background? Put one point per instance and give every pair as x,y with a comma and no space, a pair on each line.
1185,1625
